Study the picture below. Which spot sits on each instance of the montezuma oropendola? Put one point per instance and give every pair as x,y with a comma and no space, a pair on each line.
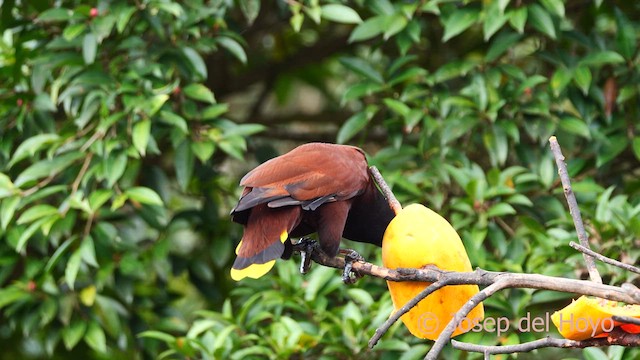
316,187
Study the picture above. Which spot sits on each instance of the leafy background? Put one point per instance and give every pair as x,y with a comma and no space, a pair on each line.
125,127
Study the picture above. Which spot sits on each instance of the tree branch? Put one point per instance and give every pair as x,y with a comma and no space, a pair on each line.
483,278
616,337
604,259
386,190
573,208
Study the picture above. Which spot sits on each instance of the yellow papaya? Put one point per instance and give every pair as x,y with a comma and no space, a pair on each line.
418,237
588,317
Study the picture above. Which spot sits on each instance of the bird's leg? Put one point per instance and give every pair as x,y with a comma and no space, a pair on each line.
308,246
350,256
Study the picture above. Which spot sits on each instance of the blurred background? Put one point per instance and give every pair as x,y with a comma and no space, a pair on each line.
125,127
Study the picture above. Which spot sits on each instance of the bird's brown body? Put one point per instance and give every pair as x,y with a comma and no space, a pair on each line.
316,187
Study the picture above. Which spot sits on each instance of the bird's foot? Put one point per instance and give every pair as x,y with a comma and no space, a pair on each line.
350,256
307,246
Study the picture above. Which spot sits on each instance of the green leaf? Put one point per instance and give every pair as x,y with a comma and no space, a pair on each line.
352,126
200,326
175,120
199,92
43,103
114,167
203,150
397,106
363,68
612,148
582,78
36,212
6,186
72,334
500,209
123,18
556,7
500,44
459,21
314,12
152,334
172,8
494,19
183,163
541,20
250,9
10,295
368,29
55,14
214,111
144,195
626,39
296,21
452,70
89,48
99,198
154,104
48,167
602,58
72,268
243,130
196,61
7,210
95,338
560,80
575,126
140,135
233,47
636,151
58,253
73,30
394,24
518,18
340,13
88,251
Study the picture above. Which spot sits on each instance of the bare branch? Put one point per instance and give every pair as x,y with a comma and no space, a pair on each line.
617,337
603,258
626,319
446,334
573,208
386,190
403,310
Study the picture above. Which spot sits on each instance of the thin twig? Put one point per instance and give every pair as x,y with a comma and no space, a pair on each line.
83,170
386,190
604,259
403,310
573,208
626,319
482,295
617,337
38,186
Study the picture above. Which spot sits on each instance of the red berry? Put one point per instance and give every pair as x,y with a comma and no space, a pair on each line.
19,102
93,12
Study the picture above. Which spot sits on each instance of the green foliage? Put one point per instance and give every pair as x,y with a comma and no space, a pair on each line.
124,131
106,122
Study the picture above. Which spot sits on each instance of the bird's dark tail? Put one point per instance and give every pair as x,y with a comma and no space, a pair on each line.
263,241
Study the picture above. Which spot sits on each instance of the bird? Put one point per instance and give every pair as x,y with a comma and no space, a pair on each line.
316,187
419,237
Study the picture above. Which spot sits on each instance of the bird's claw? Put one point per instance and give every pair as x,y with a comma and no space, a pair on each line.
309,245
350,256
